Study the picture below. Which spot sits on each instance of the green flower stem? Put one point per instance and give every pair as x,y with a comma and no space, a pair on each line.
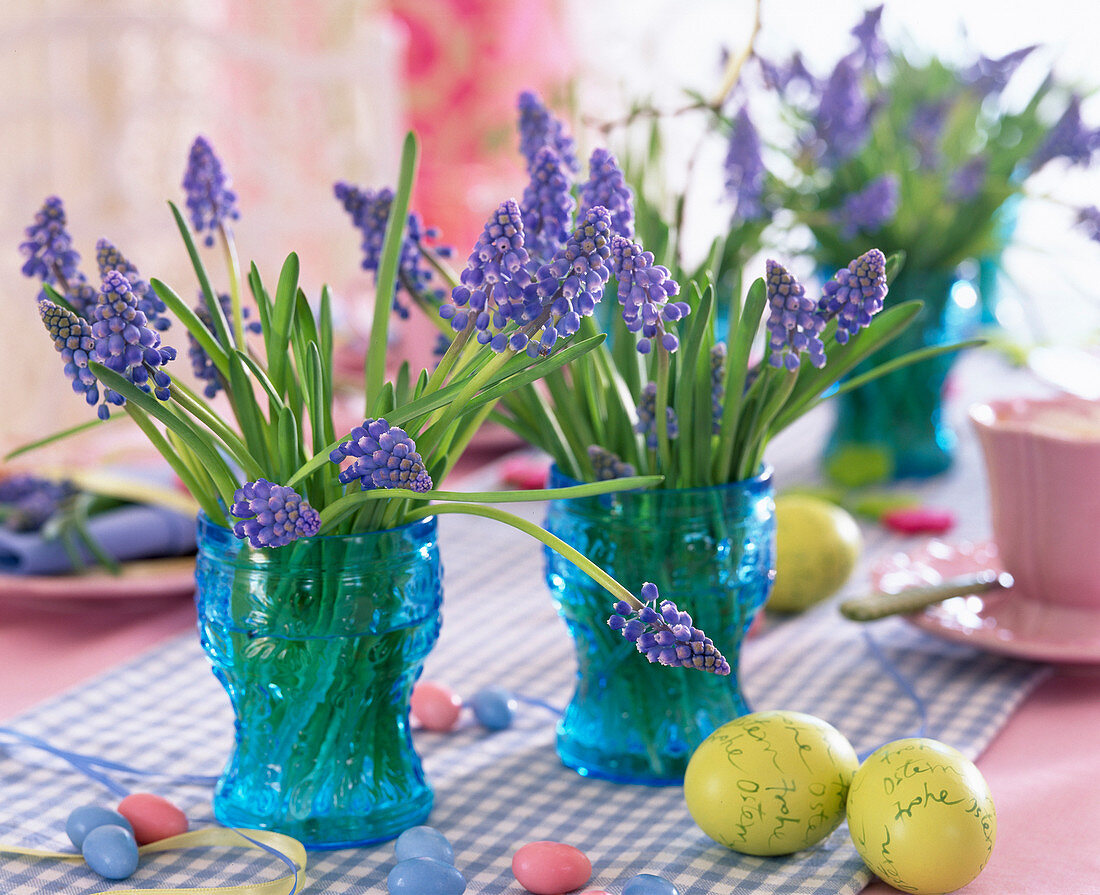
447,362
442,269
337,510
437,433
201,411
555,543
233,267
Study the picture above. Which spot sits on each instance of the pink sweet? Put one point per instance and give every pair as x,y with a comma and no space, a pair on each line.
919,520
152,817
551,868
436,707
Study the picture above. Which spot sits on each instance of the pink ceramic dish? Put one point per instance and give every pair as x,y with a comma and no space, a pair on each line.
1042,460
147,580
1003,622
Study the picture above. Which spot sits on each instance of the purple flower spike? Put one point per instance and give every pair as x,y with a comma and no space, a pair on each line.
571,285
988,77
717,385
385,458
843,120
647,417
48,247
664,634
608,465
1088,220
109,258
201,365
793,326
493,282
968,180
210,201
538,128
871,45
27,502
72,336
926,130
855,294
606,186
1069,139
745,169
547,205
370,211
872,207
644,293
124,342
272,515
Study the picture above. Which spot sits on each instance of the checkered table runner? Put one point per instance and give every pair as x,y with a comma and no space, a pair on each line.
497,791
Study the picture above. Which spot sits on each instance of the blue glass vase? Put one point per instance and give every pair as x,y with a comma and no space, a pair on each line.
318,645
894,427
710,550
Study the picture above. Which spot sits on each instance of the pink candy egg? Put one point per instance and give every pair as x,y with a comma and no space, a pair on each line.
152,817
551,868
436,707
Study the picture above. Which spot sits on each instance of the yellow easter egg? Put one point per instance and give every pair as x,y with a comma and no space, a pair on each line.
921,816
770,783
817,546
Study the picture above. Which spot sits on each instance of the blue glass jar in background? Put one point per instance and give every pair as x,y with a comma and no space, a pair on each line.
318,645
710,550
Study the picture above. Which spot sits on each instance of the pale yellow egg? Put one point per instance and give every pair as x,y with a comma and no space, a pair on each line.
817,546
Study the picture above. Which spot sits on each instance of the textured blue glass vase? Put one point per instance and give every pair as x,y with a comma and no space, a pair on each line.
712,551
318,645
894,427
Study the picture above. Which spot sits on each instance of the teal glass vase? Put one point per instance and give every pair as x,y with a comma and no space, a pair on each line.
710,550
318,645
894,427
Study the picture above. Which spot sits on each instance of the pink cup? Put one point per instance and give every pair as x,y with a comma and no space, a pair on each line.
1042,459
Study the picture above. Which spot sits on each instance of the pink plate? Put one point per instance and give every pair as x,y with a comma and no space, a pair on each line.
999,621
152,579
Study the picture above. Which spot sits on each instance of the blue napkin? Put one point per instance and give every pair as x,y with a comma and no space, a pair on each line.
125,533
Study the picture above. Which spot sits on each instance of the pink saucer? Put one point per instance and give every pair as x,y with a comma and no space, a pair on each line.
148,580
998,621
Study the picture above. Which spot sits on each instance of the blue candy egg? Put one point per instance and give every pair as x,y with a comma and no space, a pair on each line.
111,851
424,842
493,707
648,884
418,876
86,818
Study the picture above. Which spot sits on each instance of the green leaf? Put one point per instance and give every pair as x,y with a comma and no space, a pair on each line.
248,412
262,299
257,371
375,368
194,325
221,325
58,299
288,443
56,436
278,348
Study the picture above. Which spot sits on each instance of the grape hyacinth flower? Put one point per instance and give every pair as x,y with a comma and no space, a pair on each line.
272,515
793,326
967,181
644,293
665,634
988,77
607,186
49,247
385,457
872,207
1069,139
717,385
110,258
494,279
745,169
607,465
647,417
72,336
547,206
1088,220
210,201
780,76
843,119
538,128
569,287
925,131
201,364
871,45
855,294
370,211
124,343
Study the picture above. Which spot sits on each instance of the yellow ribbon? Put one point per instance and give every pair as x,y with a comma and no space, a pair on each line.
216,836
